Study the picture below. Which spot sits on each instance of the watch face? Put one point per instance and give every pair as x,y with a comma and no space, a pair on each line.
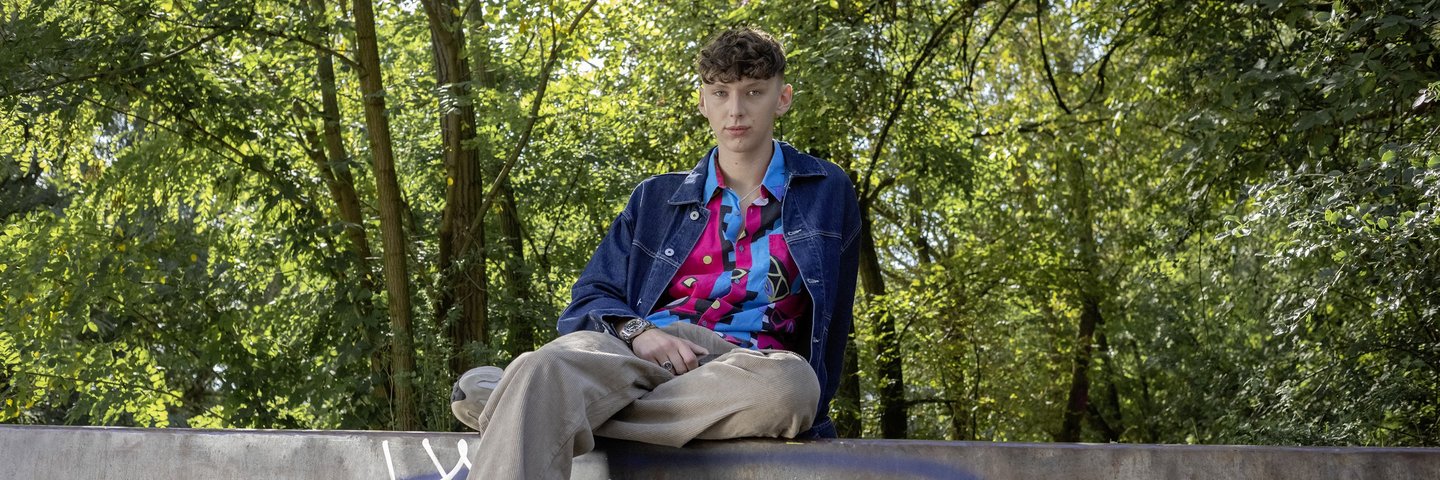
632,328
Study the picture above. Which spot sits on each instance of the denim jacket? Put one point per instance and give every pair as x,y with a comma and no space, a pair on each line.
663,221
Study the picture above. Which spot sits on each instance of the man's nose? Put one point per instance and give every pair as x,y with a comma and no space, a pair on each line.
735,106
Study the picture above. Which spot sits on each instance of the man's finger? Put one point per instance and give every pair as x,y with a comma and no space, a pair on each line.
677,364
688,360
696,348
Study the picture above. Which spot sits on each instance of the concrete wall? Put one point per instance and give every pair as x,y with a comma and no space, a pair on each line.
30,452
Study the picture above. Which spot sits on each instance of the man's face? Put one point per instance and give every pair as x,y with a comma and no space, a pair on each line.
742,113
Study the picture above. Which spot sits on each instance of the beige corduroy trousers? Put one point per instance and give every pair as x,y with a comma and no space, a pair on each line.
551,403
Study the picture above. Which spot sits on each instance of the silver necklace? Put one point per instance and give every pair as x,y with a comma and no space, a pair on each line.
752,192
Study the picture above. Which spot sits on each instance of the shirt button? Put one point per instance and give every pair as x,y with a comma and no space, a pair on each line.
694,215
669,252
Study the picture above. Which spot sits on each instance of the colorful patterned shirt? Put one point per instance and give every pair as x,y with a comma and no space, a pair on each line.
740,280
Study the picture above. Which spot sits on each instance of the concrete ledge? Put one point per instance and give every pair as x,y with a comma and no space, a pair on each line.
38,452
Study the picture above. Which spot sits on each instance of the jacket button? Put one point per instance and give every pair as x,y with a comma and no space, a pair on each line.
669,252
694,215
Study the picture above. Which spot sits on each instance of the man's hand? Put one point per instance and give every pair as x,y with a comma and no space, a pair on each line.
660,347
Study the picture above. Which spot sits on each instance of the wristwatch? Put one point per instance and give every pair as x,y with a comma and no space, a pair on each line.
633,328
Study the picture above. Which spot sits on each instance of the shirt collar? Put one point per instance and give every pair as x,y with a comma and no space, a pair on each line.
774,181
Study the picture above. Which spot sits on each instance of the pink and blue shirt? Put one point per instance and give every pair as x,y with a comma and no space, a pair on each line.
740,279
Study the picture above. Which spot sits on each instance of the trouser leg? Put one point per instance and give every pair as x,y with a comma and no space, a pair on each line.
545,408
552,402
743,393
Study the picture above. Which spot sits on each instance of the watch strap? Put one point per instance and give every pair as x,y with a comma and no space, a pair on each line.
632,328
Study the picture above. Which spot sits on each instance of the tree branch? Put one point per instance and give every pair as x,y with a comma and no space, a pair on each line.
249,162
1045,59
1105,61
246,160
94,380
932,44
970,76
558,46
272,33
1033,126
922,401
312,44
152,63
167,128
490,192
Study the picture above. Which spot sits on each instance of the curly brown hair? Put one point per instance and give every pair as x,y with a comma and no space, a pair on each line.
741,52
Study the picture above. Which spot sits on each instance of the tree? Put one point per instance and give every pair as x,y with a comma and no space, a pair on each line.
397,278
1074,212
465,279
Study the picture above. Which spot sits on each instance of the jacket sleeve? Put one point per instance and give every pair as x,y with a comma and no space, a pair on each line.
603,288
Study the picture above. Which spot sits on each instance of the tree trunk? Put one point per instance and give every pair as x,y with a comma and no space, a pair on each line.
959,425
463,272
1110,430
1079,400
953,376
514,269
397,277
1084,231
894,417
894,422
516,275
846,405
337,167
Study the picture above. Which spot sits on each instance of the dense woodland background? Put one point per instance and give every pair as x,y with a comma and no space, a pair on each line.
1092,220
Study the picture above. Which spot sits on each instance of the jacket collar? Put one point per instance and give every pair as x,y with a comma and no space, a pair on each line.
692,190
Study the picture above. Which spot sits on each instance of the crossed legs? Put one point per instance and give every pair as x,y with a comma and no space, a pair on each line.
550,403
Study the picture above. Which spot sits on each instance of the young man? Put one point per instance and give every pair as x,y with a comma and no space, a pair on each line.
717,306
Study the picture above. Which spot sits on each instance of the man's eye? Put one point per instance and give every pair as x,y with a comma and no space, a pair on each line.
719,93
753,93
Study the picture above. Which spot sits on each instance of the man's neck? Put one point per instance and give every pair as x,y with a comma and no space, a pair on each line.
743,174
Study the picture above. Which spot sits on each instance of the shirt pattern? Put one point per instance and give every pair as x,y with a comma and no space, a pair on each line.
740,279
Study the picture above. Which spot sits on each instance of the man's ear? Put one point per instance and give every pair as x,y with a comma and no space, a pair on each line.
700,97
787,95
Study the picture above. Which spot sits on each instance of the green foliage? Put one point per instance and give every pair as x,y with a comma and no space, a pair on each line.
1247,190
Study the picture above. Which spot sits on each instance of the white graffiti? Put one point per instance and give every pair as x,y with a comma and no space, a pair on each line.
389,464
461,465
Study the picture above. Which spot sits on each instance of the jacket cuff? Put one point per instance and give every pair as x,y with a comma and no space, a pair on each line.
609,321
